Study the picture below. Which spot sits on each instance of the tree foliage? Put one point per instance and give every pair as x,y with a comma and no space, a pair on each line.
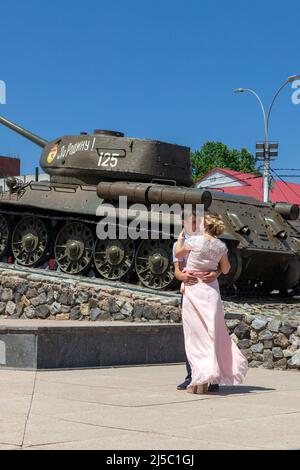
216,154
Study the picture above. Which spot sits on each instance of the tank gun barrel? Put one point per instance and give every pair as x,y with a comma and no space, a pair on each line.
148,193
28,135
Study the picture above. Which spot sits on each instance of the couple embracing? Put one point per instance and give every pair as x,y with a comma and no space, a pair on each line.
213,359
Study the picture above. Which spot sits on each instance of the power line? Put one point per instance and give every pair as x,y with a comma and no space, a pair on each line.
291,189
280,189
287,169
290,176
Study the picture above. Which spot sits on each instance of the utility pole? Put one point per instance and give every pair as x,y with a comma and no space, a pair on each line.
267,150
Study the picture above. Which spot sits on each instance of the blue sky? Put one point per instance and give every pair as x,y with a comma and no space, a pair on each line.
161,69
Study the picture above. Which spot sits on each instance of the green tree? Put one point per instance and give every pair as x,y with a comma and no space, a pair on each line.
217,154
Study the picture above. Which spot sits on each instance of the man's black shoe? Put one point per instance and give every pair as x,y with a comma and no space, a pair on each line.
184,384
213,388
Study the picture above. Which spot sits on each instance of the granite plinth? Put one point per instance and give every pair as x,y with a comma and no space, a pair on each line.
45,344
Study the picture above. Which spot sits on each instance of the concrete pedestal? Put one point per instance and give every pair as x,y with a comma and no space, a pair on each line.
46,344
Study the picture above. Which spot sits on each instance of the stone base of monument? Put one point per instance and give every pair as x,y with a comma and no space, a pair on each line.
44,344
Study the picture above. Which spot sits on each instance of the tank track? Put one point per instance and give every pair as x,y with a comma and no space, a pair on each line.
236,291
69,244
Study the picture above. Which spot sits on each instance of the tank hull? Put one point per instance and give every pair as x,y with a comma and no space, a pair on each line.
257,255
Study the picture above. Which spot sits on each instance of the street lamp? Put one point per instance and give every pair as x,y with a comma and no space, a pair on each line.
266,145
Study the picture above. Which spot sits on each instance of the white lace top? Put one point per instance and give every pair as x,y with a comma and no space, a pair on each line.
205,253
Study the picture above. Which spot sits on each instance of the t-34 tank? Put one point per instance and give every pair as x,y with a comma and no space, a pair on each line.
43,221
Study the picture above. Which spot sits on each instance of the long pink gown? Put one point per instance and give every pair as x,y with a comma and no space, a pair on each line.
213,356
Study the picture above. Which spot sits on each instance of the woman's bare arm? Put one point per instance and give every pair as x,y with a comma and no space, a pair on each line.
187,278
181,251
224,264
178,270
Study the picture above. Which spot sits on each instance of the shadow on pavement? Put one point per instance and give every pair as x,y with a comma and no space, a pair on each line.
233,390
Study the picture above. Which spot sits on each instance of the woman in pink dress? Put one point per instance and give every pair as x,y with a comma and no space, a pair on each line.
213,356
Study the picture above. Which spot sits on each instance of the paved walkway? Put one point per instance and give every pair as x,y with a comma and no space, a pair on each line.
140,408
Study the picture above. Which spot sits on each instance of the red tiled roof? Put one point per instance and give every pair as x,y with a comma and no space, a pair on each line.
253,187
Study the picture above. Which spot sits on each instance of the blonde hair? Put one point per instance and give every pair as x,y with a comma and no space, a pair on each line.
213,224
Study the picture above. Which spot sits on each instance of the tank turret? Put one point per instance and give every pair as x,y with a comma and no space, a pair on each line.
108,155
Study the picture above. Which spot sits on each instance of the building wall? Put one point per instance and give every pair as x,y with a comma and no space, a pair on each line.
219,180
9,167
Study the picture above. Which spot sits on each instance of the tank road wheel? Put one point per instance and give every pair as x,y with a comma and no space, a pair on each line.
154,264
114,258
30,241
73,248
4,235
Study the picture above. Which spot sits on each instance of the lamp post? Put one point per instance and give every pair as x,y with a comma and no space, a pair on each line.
266,145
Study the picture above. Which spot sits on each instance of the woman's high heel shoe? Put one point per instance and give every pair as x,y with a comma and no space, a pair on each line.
198,389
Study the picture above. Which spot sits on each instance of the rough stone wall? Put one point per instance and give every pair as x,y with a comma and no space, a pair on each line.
266,341
30,296
267,336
